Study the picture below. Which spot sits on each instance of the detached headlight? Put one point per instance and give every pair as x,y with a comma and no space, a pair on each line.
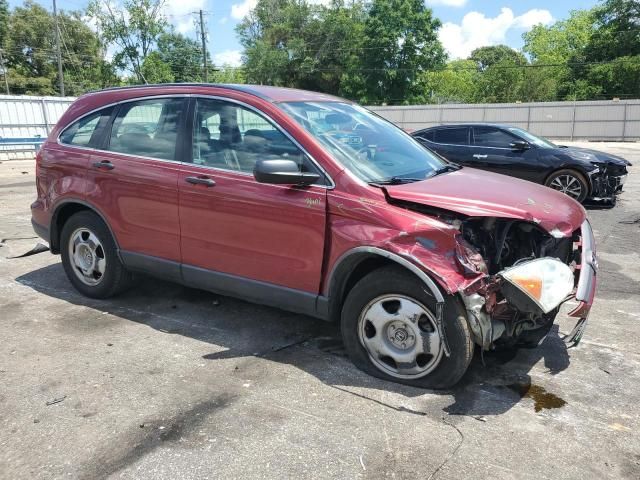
547,282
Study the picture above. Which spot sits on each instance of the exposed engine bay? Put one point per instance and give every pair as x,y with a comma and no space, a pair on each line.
489,248
504,243
502,312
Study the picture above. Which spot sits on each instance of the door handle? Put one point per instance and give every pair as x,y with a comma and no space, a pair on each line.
106,164
479,156
201,181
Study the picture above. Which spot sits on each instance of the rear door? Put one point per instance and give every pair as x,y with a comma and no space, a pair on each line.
492,147
134,180
450,142
236,229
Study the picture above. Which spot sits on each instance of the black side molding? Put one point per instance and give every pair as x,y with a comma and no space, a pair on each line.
247,289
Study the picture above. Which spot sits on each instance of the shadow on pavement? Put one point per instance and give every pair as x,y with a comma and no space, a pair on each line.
244,330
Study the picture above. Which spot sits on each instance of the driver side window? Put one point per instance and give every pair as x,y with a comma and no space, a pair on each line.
231,137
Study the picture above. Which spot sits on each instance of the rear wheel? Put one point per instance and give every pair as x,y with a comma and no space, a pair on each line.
569,182
90,258
389,330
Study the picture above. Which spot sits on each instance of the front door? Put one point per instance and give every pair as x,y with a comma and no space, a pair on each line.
492,147
235,229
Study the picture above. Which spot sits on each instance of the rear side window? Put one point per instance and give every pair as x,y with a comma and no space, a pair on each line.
491,137
148,128
454,136
426,135
86,131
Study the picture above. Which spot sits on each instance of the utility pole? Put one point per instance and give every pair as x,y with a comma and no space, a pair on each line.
4,73
55,14
203,36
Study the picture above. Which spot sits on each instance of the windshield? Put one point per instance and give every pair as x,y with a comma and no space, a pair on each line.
364,143
531,138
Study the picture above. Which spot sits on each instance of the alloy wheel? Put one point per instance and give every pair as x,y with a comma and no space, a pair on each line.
567,184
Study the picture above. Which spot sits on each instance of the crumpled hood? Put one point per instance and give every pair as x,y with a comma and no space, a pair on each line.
600,157
477,193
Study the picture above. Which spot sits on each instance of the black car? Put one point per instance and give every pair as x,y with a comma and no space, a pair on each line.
580,173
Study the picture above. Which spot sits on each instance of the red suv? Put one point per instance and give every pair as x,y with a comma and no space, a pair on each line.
313,204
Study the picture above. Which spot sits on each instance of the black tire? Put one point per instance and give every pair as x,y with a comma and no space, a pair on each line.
556,179
397,281
115,277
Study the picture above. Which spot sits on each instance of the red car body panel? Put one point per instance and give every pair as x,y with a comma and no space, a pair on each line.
270,233
478,193
139,197
287,236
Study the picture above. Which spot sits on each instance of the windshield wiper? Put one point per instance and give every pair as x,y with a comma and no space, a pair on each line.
445,169
395,181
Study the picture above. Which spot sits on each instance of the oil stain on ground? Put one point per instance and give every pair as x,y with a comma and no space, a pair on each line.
542,399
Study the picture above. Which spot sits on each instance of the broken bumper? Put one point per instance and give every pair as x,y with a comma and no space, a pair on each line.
607,182
587,280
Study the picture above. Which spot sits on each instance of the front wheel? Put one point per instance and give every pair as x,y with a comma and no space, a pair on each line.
569,182
389,330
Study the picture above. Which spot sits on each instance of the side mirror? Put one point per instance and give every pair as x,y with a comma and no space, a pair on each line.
282,172
519,145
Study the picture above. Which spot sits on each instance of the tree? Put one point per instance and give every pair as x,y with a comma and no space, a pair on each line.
4,21
457,83
155,70
502,70
182,55
401,42
617,31
555,46
228,74
31,57
486,57
133,32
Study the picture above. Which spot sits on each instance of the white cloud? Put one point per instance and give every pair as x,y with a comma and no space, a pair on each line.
181,13
476,30
447,3
241,10
228,57
223,20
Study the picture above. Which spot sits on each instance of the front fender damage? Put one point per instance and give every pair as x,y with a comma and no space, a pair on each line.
474,261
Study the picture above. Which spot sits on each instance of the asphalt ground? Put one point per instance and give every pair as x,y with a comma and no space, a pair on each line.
166,382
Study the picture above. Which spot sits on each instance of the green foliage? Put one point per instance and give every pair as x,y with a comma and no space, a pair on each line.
457,83
4,21
486,57
31,58
371,53
133,34
182,56
617,32
401,42
155,70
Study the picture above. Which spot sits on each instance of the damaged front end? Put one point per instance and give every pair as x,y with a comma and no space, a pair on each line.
607,181
522,276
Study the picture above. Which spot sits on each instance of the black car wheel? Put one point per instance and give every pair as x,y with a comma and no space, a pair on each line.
389,330
569,182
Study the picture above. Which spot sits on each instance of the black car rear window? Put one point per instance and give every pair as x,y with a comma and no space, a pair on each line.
455,136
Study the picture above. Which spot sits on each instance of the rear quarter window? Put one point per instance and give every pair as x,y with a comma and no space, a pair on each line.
453,136
86,131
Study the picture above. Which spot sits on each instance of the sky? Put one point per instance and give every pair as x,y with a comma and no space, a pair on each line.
466,24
